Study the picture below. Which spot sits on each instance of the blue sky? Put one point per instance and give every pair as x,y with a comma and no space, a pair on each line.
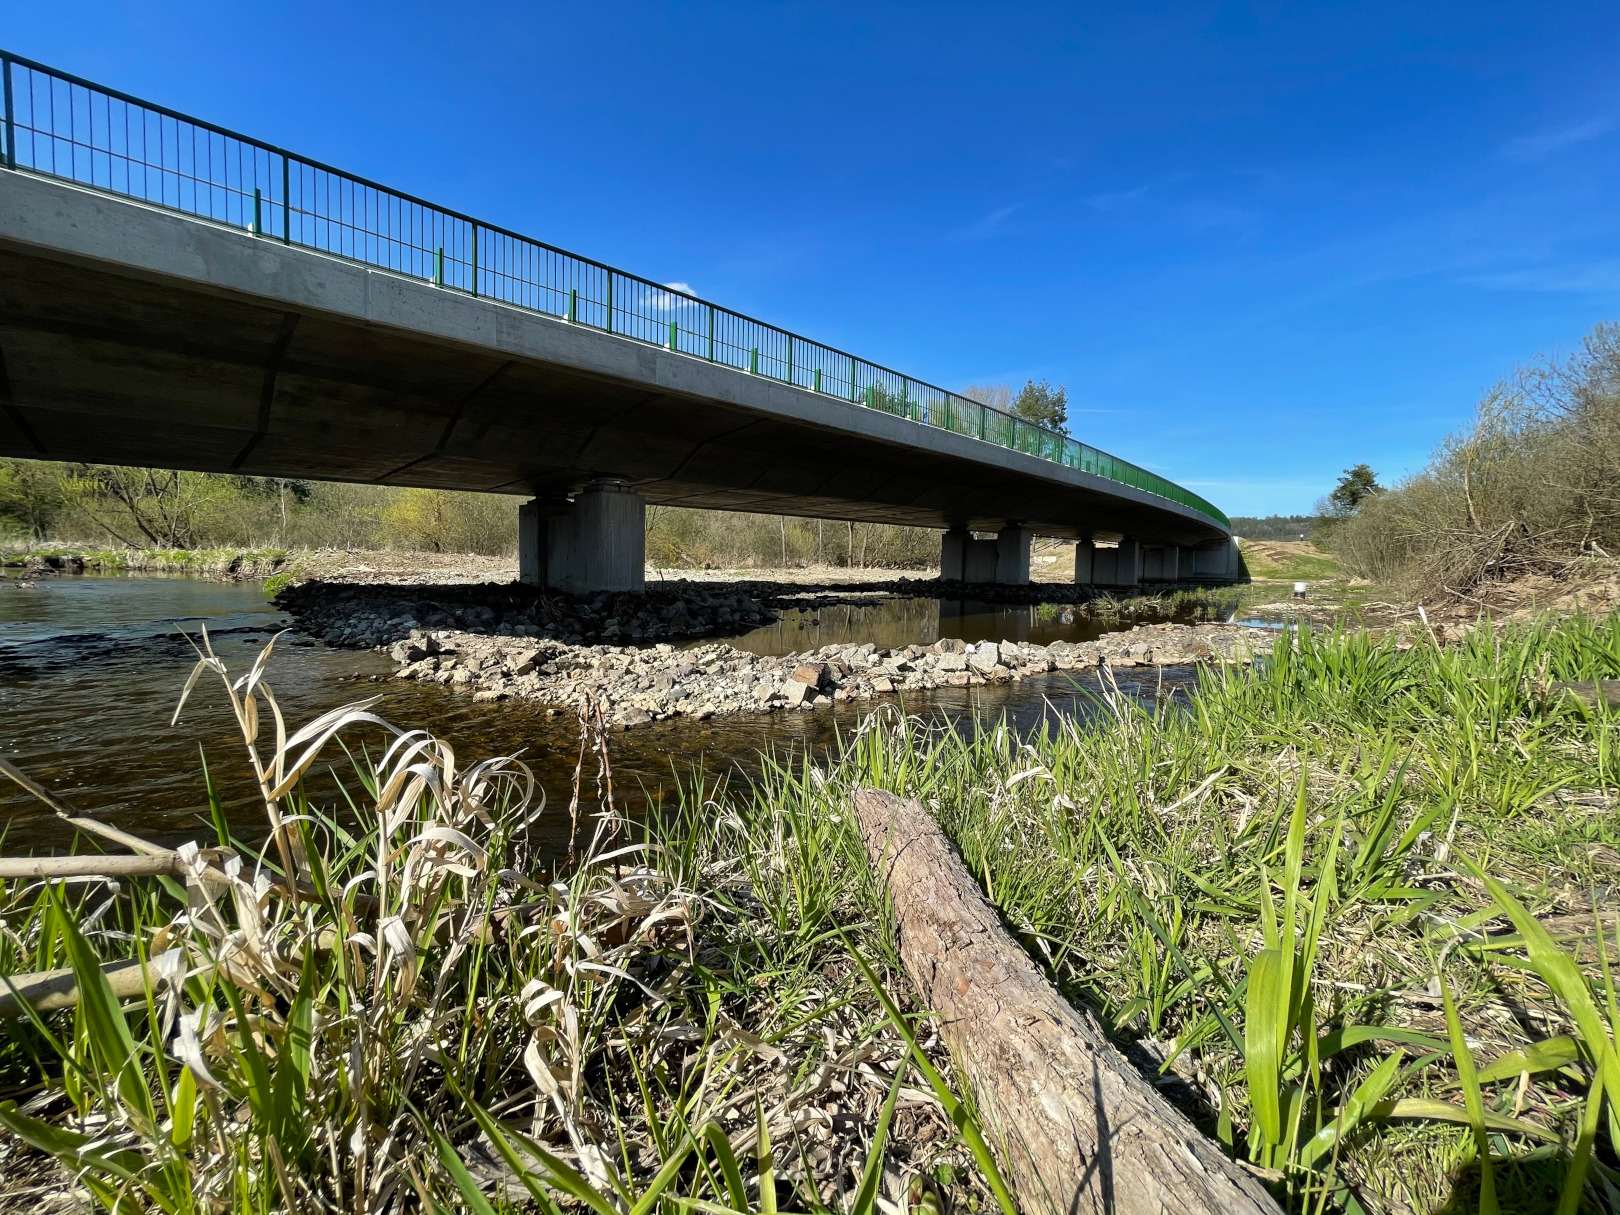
1258,242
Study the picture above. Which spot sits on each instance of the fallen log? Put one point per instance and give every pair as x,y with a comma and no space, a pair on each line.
1077,1128
1590,692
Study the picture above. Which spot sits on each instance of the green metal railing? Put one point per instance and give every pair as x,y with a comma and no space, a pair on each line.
61,126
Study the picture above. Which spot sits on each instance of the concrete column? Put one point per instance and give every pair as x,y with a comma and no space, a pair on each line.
534,540
953,551
1084,561
1129,569
1161,563
597,543
1120,566
1218,561
980,563
1012,555
1153,564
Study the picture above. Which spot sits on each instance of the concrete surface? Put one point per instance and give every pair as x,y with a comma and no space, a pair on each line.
134,335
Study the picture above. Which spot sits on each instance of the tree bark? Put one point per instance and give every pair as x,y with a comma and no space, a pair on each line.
1077,1128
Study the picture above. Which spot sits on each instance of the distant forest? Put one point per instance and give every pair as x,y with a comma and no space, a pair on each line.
1273,527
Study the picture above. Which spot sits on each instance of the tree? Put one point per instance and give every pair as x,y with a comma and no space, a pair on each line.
1354,487
1043,405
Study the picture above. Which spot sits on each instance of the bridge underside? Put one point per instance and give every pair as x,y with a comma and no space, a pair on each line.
254,358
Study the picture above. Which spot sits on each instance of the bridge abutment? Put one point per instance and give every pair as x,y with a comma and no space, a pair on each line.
1004,560
597,542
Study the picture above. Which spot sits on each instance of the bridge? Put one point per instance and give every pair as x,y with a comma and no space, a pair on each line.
177,295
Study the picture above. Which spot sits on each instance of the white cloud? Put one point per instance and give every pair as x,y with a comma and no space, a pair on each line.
665,301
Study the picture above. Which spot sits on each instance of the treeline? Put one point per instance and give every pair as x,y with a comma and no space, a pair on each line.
1274,527
136,508
1532,485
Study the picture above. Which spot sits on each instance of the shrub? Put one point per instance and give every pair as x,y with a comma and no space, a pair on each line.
1528,487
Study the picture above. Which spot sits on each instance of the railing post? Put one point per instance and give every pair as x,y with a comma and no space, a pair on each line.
854,392
610,301
753,361
11,120
711,333
286,202
475,259
817,384
257,227
438,266
674,336
573,304
790,359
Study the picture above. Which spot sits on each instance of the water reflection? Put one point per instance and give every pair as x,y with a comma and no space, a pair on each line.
892,622
90,669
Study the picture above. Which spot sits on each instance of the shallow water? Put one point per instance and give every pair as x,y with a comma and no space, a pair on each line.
91,667
889,621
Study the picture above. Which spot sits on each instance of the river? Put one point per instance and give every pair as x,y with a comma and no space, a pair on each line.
91,668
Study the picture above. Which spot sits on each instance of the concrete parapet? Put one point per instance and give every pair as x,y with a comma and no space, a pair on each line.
597,542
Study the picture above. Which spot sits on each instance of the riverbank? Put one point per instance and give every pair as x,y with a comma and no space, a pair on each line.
635,685
230,564
1268,893
501,641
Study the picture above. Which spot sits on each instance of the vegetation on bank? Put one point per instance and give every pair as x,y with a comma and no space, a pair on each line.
1286,561
1528,488
1355,904
204,562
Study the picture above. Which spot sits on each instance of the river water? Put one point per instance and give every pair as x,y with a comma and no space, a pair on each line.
91,668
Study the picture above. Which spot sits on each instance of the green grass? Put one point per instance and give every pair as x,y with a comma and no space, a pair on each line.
1268,886
1305,567
1354,901
672,1019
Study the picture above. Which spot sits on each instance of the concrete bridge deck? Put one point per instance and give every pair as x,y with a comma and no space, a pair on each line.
132,333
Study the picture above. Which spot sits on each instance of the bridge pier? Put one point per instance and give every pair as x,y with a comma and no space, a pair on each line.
1215,561
1004,560
1119,566
1161,563
597,542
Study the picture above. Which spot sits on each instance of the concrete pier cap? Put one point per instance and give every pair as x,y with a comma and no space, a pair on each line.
595,542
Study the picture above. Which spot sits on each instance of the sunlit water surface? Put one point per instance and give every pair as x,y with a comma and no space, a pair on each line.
91,667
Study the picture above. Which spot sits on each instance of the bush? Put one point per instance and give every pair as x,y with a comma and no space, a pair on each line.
1529,487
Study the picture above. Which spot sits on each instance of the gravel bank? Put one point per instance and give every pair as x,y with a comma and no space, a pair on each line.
638,685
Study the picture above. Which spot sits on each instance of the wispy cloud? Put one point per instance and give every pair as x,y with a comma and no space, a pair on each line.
665,301
1577,279
1555,139
1112,202
988,225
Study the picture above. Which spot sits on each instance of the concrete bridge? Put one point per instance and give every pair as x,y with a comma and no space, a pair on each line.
249,311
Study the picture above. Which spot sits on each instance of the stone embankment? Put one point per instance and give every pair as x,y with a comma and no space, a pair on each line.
634,686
